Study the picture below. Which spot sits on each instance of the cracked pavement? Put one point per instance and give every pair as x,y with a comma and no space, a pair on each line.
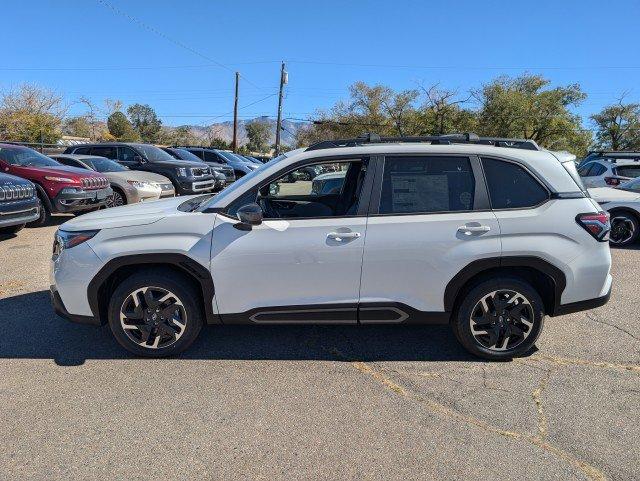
314,402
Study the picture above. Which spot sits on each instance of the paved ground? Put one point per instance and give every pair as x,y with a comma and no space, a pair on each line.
271,402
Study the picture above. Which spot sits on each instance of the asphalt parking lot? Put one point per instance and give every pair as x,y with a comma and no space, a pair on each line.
313,402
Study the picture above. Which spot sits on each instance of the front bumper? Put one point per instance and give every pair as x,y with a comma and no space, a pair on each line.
60,310
197,186
80,199
19,212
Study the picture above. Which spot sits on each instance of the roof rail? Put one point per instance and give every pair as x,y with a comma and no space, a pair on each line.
464,138
623,152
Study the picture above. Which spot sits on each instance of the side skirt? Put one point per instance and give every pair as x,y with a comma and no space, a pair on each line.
366,313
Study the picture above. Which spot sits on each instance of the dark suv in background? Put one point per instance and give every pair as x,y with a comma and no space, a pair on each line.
227,173
239,165
187,177
18,203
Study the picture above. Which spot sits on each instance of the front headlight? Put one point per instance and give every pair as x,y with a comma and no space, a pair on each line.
59,179
182,171
67,240
138,184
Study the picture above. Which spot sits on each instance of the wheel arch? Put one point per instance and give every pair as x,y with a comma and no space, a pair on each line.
114,271
546,278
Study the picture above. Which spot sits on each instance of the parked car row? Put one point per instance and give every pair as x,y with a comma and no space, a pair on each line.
91,176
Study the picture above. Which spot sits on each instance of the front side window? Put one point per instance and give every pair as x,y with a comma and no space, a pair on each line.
511,186
154,154
127,154
326,189
212,157
413,185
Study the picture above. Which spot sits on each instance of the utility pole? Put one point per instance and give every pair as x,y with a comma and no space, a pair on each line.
234,145
284,78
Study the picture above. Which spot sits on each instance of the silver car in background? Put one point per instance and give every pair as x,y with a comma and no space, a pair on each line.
129,186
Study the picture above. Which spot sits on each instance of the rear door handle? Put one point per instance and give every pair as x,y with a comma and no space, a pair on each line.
340,236
473,229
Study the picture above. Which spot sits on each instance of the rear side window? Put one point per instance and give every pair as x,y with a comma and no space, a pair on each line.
511,186
628,171
426,184
596,169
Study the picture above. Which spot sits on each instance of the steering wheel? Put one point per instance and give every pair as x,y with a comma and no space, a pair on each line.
267,209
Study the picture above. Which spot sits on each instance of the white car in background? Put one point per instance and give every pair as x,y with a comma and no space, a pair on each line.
623,205
608,172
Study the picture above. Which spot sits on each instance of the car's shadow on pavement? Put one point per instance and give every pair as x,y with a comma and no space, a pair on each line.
31,330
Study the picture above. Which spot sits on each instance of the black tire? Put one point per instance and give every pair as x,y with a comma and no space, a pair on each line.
14,229
503,319
625,228
45,215
116,199
189,313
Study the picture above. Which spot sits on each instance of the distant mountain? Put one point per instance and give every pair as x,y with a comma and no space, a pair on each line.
224,130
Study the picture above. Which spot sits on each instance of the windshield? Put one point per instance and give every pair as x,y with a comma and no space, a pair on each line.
154,154
25,157
184,154
102,164
232,157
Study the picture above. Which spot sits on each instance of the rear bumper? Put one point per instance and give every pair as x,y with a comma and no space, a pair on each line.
60,310
80,199
585,305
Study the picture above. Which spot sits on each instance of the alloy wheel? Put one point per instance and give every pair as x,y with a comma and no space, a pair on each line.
153,317
115,199
623,230
502,320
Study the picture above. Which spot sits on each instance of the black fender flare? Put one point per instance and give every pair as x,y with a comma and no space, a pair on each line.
182,262
44,198
477,267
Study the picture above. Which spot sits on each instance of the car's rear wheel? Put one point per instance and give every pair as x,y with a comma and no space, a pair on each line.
155,313
499,319
12,229
625,228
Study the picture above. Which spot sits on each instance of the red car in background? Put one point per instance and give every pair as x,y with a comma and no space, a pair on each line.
60,188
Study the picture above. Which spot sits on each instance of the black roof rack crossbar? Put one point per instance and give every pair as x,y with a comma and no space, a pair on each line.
466,138
615,152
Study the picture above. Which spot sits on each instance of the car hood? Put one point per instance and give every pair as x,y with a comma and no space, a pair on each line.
126,216
63,168
138,175
607,194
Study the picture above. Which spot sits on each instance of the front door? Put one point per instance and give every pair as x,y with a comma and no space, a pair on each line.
303,263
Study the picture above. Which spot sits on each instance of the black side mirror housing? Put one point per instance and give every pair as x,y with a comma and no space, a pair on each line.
248,215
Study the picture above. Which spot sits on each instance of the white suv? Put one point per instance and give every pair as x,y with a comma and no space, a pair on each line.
608,172
489,235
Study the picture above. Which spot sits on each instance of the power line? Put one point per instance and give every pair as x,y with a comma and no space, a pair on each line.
151,29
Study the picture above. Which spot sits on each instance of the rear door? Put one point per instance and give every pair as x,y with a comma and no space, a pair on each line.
429,219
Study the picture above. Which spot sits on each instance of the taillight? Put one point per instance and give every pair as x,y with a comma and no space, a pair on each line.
612,180
595,224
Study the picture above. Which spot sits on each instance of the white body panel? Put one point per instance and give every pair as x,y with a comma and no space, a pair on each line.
286,263
411,258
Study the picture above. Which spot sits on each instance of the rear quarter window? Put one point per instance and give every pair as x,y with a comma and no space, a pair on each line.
511,186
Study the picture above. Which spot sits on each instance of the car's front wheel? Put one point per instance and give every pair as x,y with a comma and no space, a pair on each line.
499,319
116,199
155,313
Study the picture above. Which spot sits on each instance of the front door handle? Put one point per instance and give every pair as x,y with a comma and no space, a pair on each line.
340,236
473,229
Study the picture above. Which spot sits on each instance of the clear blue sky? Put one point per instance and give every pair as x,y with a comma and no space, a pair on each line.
82,47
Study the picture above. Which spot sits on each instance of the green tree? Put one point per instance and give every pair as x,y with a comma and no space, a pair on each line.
525,107
258,133
120,127
145,121
443,113
218,143
31,114
618,126
78,127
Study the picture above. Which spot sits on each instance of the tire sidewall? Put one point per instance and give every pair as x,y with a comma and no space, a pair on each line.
462,328
167,280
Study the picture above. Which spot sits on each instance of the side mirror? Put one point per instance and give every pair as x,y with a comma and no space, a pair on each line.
248,215
138,159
